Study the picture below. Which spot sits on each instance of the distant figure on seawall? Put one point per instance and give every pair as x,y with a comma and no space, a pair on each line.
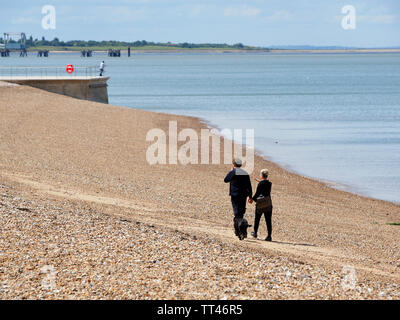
102,66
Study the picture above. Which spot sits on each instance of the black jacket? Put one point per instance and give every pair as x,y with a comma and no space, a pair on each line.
263,189
240,185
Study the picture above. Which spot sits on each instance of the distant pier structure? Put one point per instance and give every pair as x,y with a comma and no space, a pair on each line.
117,52
86,53
14,41
114,53
43,53
4,52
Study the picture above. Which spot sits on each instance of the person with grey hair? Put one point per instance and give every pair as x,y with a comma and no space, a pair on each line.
262,197
239,189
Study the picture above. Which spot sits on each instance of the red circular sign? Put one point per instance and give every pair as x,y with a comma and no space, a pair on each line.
70,68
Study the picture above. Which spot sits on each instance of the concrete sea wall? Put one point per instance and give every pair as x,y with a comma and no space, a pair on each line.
92,89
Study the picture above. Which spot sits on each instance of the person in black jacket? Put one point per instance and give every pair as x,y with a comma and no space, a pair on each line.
239,190
263,193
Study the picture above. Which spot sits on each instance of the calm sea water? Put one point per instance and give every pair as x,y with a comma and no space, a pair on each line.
334,117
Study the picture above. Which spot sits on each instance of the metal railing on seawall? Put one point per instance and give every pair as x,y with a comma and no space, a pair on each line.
27,73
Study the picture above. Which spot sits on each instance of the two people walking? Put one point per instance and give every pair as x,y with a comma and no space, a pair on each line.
241,192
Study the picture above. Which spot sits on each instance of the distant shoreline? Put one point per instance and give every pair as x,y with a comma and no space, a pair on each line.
222,51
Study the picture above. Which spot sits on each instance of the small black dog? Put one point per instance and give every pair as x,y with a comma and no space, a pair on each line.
243,225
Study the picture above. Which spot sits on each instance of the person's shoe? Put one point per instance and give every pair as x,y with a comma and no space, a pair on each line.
254,235
269,238
241,237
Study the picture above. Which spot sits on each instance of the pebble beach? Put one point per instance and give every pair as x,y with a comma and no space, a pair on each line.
84,216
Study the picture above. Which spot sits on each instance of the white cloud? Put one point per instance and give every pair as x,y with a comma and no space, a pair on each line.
241,11
24,20
384,18
251,11
281,15
375,19
230,12
378,15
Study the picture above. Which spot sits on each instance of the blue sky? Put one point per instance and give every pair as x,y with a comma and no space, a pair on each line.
254,22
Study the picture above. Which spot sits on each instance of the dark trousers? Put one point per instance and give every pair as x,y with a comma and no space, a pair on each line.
268,219
101,72
239,209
